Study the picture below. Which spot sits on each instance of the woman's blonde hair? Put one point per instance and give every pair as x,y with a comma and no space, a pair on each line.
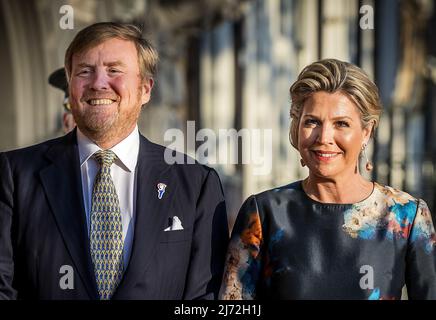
333,75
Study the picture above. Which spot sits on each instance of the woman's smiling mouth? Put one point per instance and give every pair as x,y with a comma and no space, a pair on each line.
325,155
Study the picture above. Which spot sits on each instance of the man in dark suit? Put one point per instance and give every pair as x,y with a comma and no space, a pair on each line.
99,213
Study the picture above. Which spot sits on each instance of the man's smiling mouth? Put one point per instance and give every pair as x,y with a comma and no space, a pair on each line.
97,102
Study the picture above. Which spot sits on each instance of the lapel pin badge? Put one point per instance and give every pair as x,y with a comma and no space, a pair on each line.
161,189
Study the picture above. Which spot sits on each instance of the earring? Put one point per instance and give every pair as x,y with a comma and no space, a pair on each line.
368,165
302,163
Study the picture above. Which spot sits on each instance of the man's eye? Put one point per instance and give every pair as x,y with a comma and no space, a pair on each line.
83,72
112,70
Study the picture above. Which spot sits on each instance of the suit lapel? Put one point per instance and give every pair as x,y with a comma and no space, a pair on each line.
63,187
151,212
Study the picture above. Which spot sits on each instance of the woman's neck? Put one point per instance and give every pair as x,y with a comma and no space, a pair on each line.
325,190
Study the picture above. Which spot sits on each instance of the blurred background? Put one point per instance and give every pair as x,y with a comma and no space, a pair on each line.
229,64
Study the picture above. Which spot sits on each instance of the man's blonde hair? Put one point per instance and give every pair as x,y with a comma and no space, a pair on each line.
333,75
97,33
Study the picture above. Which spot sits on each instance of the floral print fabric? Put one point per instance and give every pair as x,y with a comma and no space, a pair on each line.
285,245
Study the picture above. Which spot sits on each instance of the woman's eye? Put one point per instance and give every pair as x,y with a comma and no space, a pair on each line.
311,122
343,124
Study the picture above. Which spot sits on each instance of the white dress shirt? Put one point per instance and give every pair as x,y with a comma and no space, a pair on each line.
123,172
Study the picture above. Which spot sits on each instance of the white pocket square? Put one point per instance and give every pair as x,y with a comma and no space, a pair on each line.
176,225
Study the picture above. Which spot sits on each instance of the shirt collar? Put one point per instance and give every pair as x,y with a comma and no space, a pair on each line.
127,150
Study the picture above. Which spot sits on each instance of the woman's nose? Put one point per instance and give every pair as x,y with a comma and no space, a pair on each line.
325,134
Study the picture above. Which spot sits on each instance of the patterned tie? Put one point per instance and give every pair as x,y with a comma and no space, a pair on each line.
106,236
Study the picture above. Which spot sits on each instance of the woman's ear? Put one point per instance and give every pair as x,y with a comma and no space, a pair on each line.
367,131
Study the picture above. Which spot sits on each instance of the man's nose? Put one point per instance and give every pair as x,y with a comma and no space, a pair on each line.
325,134
99,80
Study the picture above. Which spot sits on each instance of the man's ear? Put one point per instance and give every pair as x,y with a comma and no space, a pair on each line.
147,85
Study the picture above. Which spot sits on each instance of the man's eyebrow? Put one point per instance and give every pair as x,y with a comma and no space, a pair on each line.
115,63
107,64
85,65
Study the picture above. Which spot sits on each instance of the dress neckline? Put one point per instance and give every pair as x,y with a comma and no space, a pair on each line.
338,204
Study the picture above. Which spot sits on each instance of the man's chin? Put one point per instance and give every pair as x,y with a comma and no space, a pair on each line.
96,128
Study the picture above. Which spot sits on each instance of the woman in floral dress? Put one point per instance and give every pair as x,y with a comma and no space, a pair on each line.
333,235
